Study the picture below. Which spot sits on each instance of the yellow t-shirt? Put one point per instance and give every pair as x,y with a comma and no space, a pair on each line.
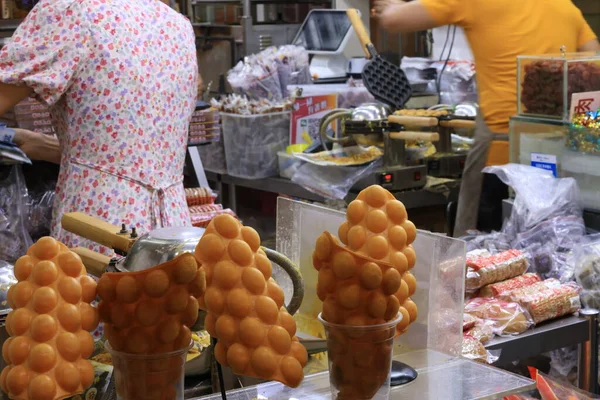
500,30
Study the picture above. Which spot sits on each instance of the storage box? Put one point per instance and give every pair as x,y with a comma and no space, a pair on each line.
252,143
213,156
585,168
530,126
546,83
288,164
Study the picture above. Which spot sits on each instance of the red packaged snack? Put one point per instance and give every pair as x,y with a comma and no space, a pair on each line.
500,288
548,299
484,270
199,196
551,389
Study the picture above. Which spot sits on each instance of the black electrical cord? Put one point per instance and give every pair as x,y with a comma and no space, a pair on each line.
439,78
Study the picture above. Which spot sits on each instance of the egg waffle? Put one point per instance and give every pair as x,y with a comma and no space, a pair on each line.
49,326
256,335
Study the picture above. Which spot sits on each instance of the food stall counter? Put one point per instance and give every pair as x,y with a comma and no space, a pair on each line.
440,376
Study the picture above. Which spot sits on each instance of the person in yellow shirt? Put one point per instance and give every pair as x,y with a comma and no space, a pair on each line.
498,31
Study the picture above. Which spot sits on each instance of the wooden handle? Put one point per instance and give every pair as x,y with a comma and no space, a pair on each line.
412,121
360,29
97,231
95,263
409,135
458,123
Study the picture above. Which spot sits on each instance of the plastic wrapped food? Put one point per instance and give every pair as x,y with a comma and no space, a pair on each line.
199,196
257,78
551,389
482,330
540,196
236,104
548,299
469,321
508,318
474,350
7,279
292,67
544,83
14,211
202,219
484,270
256,335
499,288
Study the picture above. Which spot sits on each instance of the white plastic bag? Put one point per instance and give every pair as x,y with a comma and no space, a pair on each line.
540,196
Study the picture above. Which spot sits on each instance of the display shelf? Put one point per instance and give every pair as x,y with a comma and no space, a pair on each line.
547,336
440,377
9,25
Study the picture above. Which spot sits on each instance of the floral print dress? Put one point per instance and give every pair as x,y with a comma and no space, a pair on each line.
120,77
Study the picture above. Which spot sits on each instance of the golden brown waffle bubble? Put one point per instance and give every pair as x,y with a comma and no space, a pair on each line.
49,324
151,312
368,281
256,336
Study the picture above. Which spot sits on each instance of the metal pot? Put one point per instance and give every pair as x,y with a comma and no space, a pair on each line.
368,116
154,248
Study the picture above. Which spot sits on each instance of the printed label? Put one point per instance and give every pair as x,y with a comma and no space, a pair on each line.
544,161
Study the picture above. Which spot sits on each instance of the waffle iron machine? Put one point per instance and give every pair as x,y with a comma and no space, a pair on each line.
447,162
373,125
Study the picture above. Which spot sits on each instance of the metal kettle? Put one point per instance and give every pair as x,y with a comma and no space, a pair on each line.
154,248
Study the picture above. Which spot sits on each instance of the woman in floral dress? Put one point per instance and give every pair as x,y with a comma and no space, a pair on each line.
121,79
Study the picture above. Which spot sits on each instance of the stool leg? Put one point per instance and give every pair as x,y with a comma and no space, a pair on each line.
588,354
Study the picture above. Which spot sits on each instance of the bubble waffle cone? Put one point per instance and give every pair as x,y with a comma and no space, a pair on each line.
150,312
256,336
368,281
49,340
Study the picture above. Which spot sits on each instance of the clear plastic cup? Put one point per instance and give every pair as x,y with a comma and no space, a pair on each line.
360,359
149,376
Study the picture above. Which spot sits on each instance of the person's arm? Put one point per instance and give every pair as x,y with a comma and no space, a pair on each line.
590,46
38,146
11,95
397,16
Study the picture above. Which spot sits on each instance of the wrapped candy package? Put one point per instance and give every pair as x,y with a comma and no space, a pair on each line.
484,270
49,326
500,288
507,318
256,335
548,299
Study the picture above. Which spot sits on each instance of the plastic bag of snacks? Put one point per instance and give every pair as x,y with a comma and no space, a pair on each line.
482,330
236,104
474,350
199,196
548,299
256,77
14,238
484,270
551,389
500,288
292,67
507,318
